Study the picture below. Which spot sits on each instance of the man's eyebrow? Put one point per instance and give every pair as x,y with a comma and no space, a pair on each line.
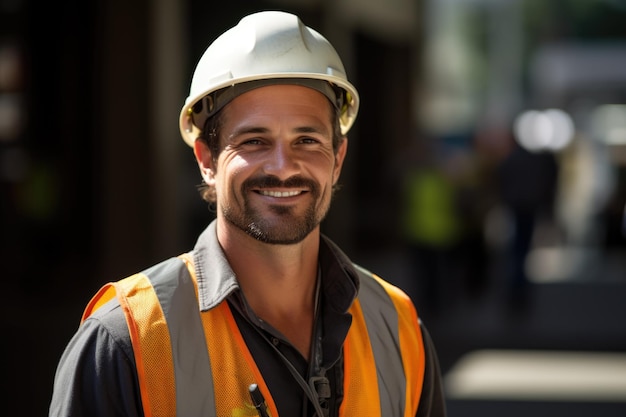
246,130
310,129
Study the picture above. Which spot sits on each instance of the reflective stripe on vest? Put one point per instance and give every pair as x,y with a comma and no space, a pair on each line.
399,355
169,380
383,352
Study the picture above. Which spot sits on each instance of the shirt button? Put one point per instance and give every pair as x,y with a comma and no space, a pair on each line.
275,341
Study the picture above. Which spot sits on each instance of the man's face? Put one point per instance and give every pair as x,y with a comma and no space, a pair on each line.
275,174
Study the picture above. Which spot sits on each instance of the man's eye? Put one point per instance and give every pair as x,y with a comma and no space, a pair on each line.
309,140
253,141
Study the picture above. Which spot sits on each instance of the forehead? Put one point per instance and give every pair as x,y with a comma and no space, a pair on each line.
291,107
281,97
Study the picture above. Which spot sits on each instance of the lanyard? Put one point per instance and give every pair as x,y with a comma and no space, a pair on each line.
317,389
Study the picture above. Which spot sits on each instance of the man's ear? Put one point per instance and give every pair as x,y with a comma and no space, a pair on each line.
204,158
340,156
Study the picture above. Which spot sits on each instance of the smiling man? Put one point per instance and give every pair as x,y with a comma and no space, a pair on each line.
277,166
265,316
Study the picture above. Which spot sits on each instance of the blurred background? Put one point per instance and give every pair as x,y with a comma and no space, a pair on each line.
485,176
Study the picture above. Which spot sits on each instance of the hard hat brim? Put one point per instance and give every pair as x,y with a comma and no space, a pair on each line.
191,127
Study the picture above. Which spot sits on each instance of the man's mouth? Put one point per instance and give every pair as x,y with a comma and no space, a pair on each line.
280,194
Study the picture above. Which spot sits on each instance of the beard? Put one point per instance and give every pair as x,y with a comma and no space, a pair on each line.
284,226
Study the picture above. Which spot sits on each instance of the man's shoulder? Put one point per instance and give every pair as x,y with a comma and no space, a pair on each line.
109,319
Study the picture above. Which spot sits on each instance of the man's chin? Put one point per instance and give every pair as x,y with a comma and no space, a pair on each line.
280,231
278,237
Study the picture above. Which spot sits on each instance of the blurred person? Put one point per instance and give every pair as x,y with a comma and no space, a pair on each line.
442,225
265,316
431,229
527,186
586,186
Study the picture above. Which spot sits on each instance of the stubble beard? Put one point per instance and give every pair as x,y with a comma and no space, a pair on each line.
283,226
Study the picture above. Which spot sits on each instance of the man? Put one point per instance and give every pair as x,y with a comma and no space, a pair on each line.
265,316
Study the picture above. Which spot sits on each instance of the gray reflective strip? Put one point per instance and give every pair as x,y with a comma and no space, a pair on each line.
381,319
192,368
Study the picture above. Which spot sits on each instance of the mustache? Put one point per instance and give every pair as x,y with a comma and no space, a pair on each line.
270,181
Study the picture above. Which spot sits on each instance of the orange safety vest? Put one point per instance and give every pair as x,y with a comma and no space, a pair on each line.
382,375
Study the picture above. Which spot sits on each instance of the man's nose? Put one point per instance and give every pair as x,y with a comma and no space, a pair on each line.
282,161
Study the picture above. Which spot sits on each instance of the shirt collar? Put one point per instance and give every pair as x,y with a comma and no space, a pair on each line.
216,279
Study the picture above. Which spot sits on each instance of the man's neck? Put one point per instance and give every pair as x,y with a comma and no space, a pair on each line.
278,281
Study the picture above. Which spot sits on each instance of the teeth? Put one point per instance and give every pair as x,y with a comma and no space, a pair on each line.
280,193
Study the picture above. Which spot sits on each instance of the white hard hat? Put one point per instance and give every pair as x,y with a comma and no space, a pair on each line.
265,48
